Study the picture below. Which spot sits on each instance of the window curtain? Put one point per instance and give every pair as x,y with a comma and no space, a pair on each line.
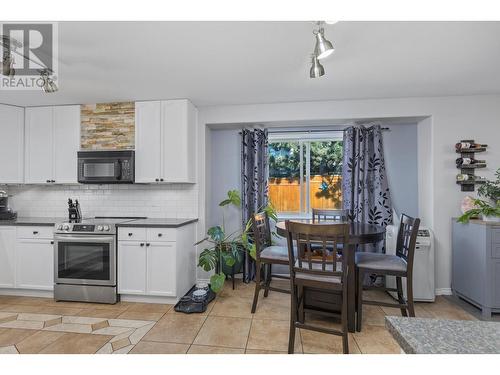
365,191
254,188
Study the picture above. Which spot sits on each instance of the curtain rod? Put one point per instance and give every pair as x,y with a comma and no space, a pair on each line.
311,131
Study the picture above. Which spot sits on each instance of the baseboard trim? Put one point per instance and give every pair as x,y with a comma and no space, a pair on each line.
26,292
148,299
443,292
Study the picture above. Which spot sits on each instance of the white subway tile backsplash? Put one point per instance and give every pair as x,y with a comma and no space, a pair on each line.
156,201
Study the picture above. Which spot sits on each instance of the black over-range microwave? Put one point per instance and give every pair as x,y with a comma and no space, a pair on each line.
106,167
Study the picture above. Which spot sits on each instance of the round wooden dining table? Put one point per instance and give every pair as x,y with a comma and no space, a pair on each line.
359,234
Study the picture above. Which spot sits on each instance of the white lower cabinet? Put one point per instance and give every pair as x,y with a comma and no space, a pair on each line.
131,267
156,262
35,264
7,257
161,270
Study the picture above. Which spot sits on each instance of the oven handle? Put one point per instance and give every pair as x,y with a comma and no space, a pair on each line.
72,238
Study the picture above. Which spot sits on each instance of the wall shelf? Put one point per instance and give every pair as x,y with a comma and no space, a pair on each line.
469,169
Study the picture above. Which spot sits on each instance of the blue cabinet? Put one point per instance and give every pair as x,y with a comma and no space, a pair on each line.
476,264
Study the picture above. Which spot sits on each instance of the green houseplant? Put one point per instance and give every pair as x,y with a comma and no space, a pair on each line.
226,250
488,208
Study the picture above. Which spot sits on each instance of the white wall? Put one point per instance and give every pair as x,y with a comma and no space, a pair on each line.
451,119
158,201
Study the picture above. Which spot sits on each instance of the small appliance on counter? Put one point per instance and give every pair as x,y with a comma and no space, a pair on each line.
74,212
5,212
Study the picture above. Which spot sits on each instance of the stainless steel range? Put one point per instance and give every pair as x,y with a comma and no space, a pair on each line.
85,260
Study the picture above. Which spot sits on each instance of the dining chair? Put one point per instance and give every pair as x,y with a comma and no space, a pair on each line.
266,255
327,272
399,265
319,214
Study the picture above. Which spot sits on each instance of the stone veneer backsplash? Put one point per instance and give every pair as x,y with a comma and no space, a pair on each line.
156,201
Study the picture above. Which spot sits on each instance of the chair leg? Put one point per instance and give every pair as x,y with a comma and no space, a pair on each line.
345,333
268,279
409,292
300,307
293,319
257,285
359,317
401,299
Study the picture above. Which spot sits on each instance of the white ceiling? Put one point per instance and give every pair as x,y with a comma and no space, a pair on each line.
263,62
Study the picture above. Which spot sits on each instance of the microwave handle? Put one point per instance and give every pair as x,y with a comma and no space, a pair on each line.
118,169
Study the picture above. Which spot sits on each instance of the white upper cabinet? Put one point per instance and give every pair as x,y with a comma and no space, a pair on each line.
11,144
148,144
165,141
52,139
67,143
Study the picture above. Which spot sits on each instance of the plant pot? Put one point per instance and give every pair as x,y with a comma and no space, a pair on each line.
494,219
229,270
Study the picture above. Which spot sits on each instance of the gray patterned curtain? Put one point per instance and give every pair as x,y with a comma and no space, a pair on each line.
365,191
254,189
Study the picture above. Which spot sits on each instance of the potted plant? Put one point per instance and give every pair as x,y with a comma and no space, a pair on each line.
225,252
489,209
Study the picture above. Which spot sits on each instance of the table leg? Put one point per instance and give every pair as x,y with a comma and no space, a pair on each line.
351,291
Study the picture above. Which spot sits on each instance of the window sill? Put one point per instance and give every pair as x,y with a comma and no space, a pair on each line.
293,216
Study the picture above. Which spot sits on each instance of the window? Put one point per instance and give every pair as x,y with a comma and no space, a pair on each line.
305,171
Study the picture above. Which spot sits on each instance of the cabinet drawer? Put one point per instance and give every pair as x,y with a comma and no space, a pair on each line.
131,234
33,232
161,234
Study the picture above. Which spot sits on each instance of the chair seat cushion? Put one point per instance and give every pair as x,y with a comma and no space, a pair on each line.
301,275
279,253
380,262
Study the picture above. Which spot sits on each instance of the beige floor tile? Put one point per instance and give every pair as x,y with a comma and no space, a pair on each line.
272,335
241,289
70,327
223,331
106,349
120,344
140,315
376,340
53,322
373,315
52,310
129,323
10,336
32,301
124,350
76,343
23,324
274,309
149,307
139,333
36,342
259,351
37,317
233,307
444,309
81,320
7,317
150,347
113,331
420,311
8,350
317,342
176,328
101,313
203,349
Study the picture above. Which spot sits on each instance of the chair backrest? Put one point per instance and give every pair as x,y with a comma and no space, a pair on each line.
329,214
323,260
407,239
261,232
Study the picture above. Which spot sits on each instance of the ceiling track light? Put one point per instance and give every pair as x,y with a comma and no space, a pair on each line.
324,47
49,86
317,69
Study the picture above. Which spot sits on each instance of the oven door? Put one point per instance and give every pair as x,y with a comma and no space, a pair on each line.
99,170
85,259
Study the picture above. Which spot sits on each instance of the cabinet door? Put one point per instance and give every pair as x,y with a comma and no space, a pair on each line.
11,144
161,269
35,264
7,260
67,143
131,267
179,141
39,146
148,154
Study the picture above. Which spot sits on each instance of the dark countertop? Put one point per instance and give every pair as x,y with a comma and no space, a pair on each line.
436,336
43,221
158,223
